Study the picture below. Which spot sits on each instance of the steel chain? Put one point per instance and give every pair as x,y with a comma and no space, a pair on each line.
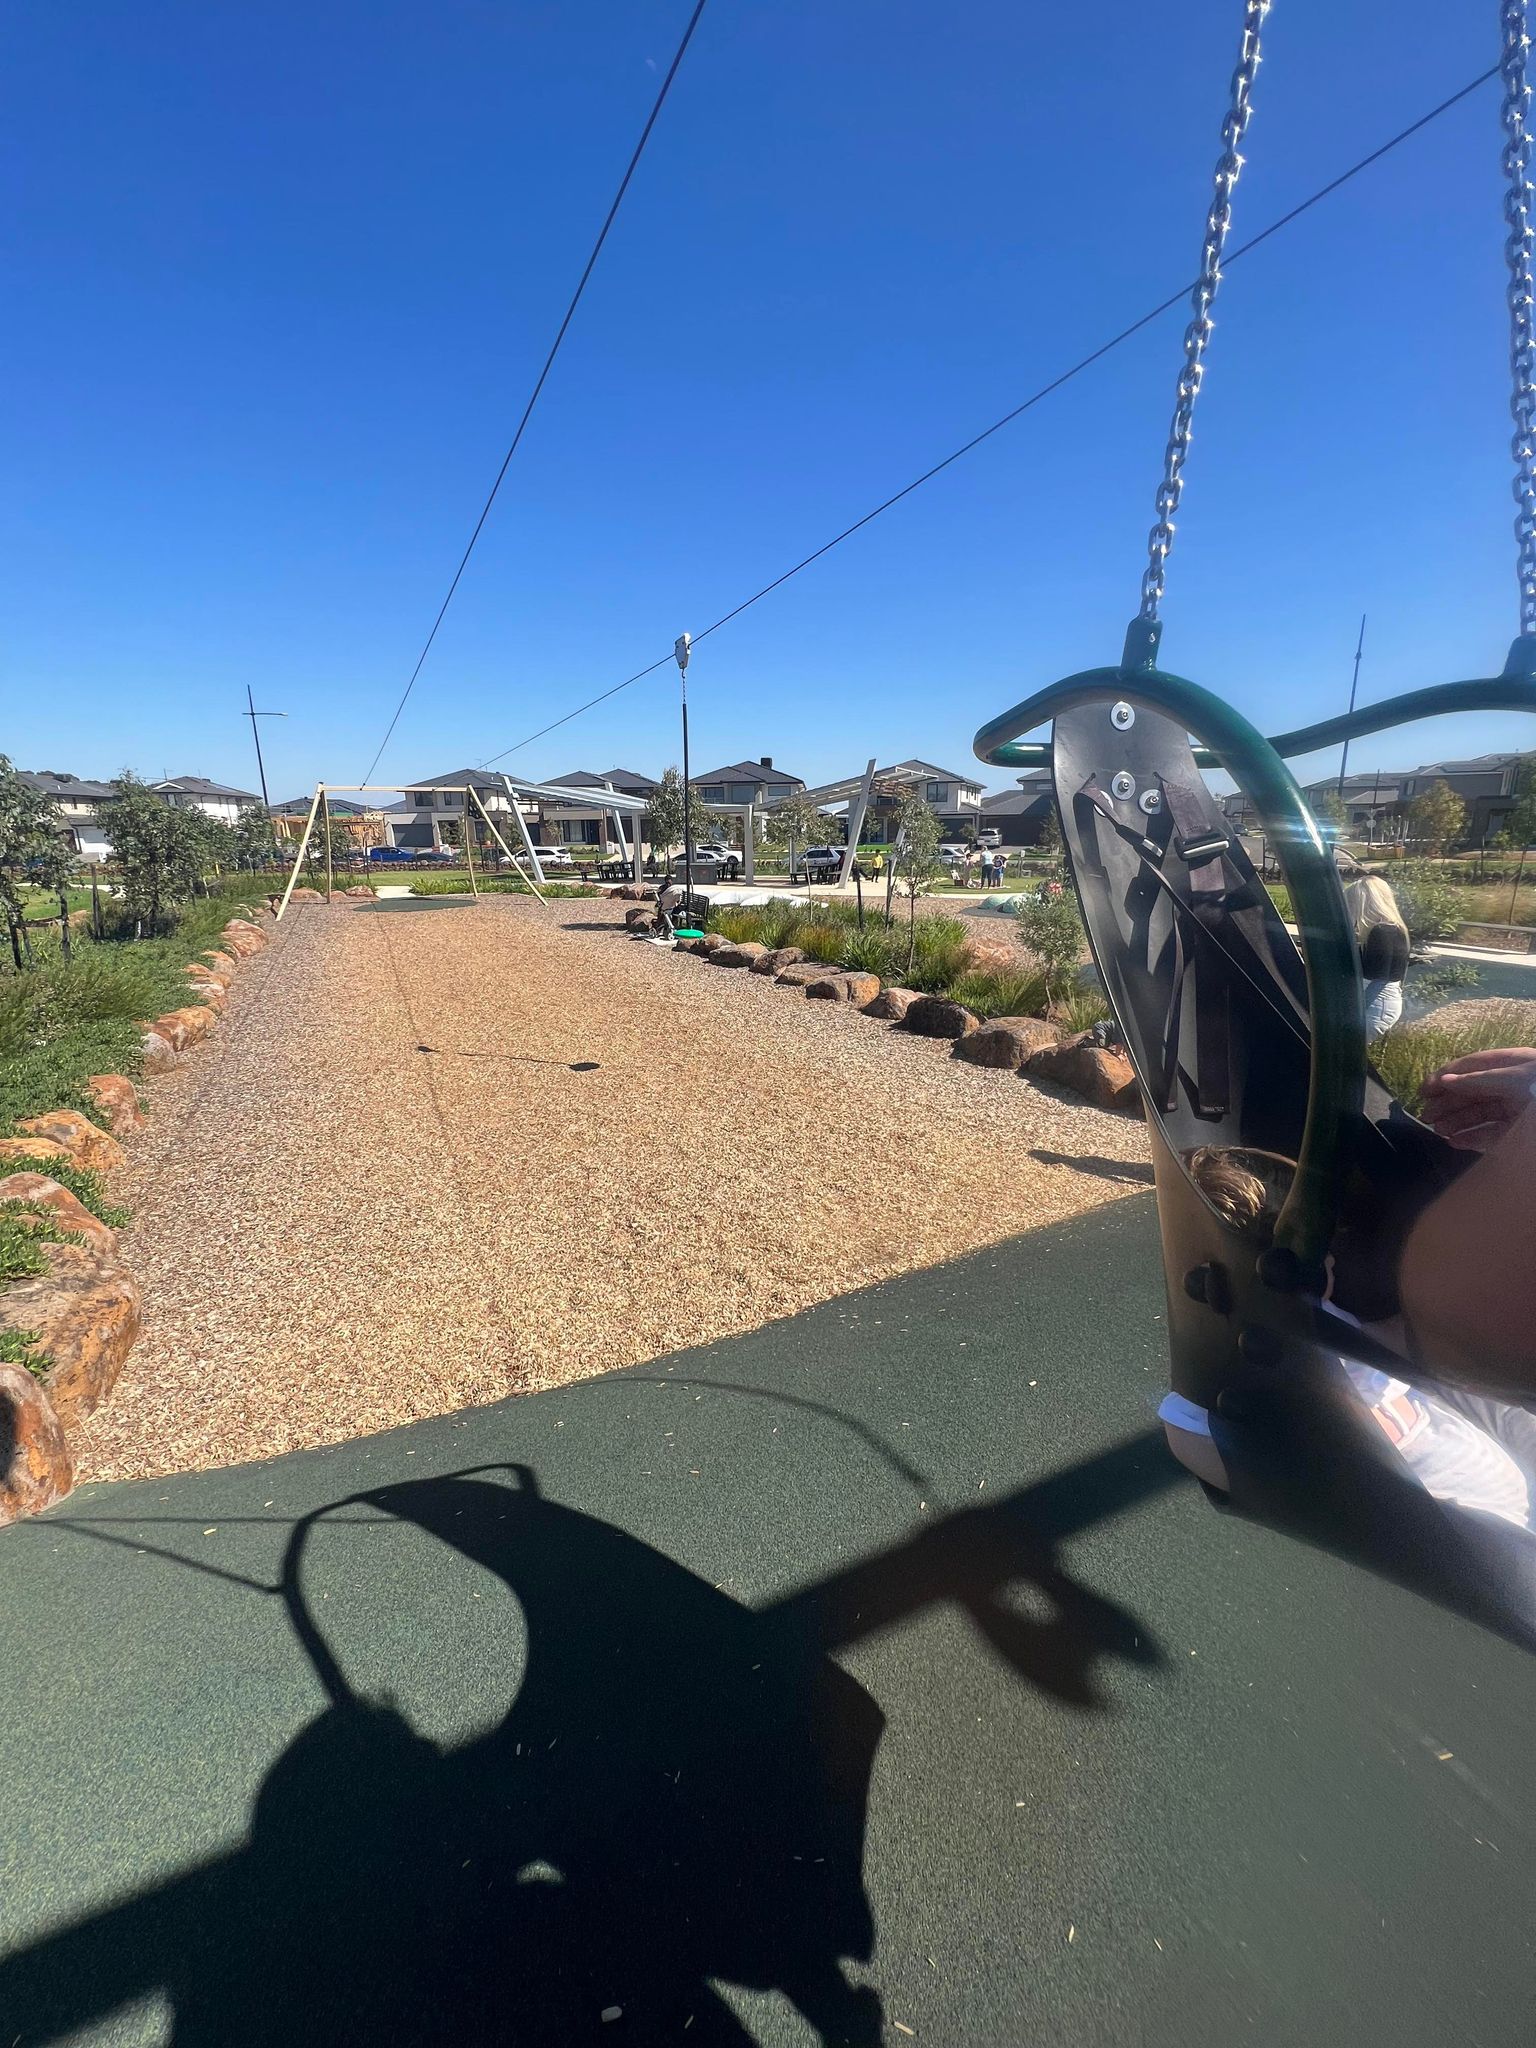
1198,332
1518,254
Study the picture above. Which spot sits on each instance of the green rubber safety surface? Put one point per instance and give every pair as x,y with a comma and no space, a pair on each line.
872,1677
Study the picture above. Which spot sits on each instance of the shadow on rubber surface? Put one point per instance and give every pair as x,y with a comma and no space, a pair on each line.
677,1794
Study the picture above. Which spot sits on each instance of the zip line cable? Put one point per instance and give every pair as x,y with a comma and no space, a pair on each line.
549,363
1174,299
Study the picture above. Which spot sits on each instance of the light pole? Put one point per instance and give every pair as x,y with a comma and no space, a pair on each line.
680,650
253,714
1354,685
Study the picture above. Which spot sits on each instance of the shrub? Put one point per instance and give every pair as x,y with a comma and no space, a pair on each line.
1003,992
1052,928
19,1347
1445,975
1280,896
1431,907
820,940
1081,1008
1410,1053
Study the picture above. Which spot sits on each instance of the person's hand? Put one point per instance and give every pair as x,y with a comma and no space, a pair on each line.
1473,1101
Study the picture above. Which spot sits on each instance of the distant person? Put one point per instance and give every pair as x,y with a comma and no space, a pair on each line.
1382,938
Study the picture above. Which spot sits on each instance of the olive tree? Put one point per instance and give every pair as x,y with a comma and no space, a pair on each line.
1437,816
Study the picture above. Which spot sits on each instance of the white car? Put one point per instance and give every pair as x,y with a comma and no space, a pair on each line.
709,861
991,838
554,856
954,849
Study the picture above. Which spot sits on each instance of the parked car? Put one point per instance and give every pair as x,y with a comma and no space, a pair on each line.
990,838
449,855
709,862
954,849
554,856
394,856
822,862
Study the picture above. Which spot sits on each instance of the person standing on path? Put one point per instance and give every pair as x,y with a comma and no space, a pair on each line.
1382,938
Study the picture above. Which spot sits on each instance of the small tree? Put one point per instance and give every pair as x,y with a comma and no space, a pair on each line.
255,838
914,860
664,815
154,846
1051,926
795,824
1330,814
1520,832
1437,816
32,847
1050,831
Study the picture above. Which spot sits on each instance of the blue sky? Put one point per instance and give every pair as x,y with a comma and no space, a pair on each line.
281,278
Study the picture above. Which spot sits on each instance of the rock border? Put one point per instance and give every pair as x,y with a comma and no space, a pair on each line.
1029,1048
83,1311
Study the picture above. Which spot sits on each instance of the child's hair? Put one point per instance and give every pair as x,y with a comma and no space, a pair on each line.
1246,1188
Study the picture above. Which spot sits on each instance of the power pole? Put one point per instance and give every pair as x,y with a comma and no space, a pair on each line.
253,714
1354,685
680,649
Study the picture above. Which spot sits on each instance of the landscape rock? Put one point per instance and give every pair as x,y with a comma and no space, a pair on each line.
219,963
359,889
938,1017
159,1053
67,1210
117,1099
640,924
636,915
800,973
711,942
777,957
1100,1075
30,1149
86,1143
857,989
636,892
892,1003
184,1027
35,1466
242,938
746,955
85,1312
1007,1041
211,995
307,896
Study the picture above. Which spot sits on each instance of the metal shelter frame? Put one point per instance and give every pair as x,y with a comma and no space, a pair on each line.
614,802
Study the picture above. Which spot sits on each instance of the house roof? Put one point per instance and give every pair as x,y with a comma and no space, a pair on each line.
1018,803
298,807
456,778
931,768
68,787
1480,764
621,778
752,771
199,785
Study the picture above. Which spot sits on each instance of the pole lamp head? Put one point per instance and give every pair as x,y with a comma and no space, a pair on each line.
680,649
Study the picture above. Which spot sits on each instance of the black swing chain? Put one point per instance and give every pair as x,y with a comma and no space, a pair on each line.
1198,333
1518,248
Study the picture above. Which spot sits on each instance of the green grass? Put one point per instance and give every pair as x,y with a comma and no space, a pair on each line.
1410,1053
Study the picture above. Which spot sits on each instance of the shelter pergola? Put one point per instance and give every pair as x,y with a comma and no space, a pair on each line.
613,801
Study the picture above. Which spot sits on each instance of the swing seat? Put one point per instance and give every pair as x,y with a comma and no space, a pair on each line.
1251,1051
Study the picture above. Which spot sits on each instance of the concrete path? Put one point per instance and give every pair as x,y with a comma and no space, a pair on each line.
873,1676
445,1152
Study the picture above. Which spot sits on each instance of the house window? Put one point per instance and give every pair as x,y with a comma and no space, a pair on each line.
936,793
423,799
713,792
743,792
